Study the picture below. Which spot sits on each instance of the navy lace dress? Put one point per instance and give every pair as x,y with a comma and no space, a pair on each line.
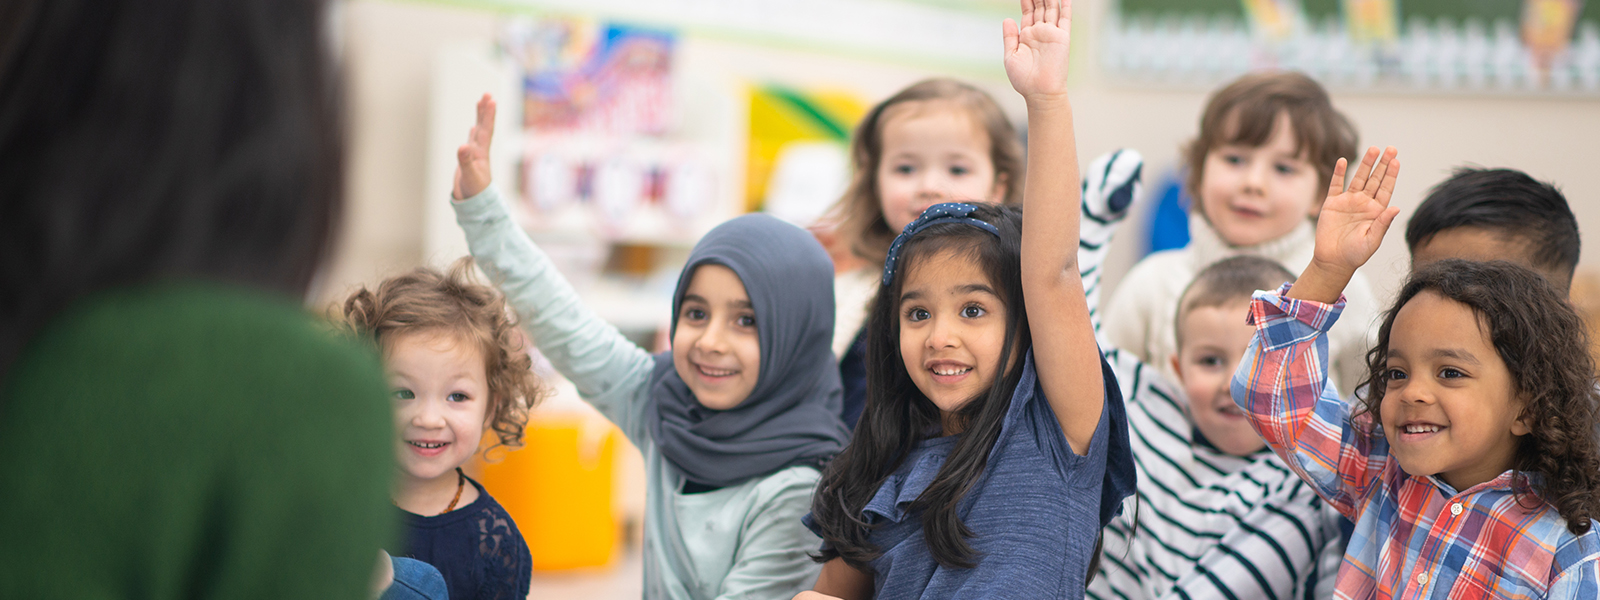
476,547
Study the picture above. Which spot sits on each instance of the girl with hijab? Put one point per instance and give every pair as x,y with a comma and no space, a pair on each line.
734,422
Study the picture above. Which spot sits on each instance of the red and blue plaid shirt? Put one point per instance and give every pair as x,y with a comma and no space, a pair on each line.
1415,536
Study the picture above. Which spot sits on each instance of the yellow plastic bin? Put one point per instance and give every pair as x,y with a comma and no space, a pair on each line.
558,488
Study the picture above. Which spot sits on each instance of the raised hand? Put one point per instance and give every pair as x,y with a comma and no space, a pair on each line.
1355,218
1037,48
472,158
1351,226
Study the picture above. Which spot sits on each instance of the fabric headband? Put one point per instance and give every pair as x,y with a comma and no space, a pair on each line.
944,212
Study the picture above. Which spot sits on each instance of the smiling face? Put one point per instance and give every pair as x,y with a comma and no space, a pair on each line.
952,329
1254,195
441,403
933,151
1212,339
715,348
1450,407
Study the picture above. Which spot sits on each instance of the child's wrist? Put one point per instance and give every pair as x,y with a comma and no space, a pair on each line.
1321,282
1047,102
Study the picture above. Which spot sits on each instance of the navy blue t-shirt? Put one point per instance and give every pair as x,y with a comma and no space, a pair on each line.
476,547
1036,511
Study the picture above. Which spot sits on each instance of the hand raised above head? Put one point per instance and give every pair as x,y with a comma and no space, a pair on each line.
1355,217
472,158
1037,48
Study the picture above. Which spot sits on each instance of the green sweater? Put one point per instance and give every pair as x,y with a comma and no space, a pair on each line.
190,440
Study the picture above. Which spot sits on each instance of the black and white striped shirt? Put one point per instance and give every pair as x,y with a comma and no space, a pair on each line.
1209,524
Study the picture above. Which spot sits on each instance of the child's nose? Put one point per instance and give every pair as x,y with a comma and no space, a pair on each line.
942,335
714,339
430,414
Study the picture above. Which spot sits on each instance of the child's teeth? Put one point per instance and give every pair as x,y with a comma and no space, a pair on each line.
1421,428
951,371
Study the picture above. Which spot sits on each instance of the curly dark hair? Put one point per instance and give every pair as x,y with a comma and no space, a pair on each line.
1544,345
426,299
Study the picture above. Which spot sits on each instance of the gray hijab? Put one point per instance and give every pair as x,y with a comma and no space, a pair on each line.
792,415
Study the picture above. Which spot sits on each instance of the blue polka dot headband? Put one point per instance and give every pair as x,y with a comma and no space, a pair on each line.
945,212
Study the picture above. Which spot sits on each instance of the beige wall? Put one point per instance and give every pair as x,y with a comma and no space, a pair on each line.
389,47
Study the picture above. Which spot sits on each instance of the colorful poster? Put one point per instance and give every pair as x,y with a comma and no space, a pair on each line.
1273,20
581,76
1372,21
1547,27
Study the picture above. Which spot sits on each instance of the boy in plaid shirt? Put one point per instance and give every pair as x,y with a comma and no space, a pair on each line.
1469,466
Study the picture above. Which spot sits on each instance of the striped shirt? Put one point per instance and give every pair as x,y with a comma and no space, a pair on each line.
1415,536
1210,524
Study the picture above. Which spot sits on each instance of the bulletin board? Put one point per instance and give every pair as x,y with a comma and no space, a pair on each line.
1539,47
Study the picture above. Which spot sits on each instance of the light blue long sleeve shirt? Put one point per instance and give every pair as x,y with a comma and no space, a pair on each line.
739,542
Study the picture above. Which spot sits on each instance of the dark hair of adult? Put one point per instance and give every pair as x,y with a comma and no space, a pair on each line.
1506,201
1543,343
162,139
898,415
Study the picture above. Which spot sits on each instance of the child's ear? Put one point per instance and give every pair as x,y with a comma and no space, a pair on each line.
1177,367
1520,426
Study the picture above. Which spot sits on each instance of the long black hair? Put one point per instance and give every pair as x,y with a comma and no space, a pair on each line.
898,415
155,139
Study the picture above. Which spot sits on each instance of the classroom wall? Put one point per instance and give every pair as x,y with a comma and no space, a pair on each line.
388,52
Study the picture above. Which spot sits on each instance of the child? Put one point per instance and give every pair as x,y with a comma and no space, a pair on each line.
734,422
1218,517
1470,467
993,445
1256,172
456,366
1496,214
939,140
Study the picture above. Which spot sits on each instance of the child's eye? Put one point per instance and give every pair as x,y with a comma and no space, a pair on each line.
1210,361
972,312
1450,373
458,397
404,394
958,171
694,314
1394,375
903,169
747,321
1233,159
916,314
1285,169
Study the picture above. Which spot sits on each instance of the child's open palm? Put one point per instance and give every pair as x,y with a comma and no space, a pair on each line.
1037,48
472,158
1355,218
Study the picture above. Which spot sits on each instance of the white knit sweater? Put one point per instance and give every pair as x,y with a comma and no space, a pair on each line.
1139,317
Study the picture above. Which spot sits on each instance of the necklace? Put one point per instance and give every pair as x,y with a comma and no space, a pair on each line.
461,484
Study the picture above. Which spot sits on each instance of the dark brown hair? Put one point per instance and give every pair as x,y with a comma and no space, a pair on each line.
425,299
1227,280
1245,111
1543,343
146,141
898,414
860,211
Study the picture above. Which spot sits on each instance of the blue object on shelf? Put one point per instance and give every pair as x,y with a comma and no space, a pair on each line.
1169,222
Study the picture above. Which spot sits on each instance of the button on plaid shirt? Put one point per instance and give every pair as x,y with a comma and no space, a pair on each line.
1415,536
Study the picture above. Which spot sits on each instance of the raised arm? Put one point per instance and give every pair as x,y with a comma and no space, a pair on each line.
1282,382
609,371
1064,348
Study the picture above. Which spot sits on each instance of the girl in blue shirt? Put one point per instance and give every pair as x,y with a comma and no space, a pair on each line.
993,446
